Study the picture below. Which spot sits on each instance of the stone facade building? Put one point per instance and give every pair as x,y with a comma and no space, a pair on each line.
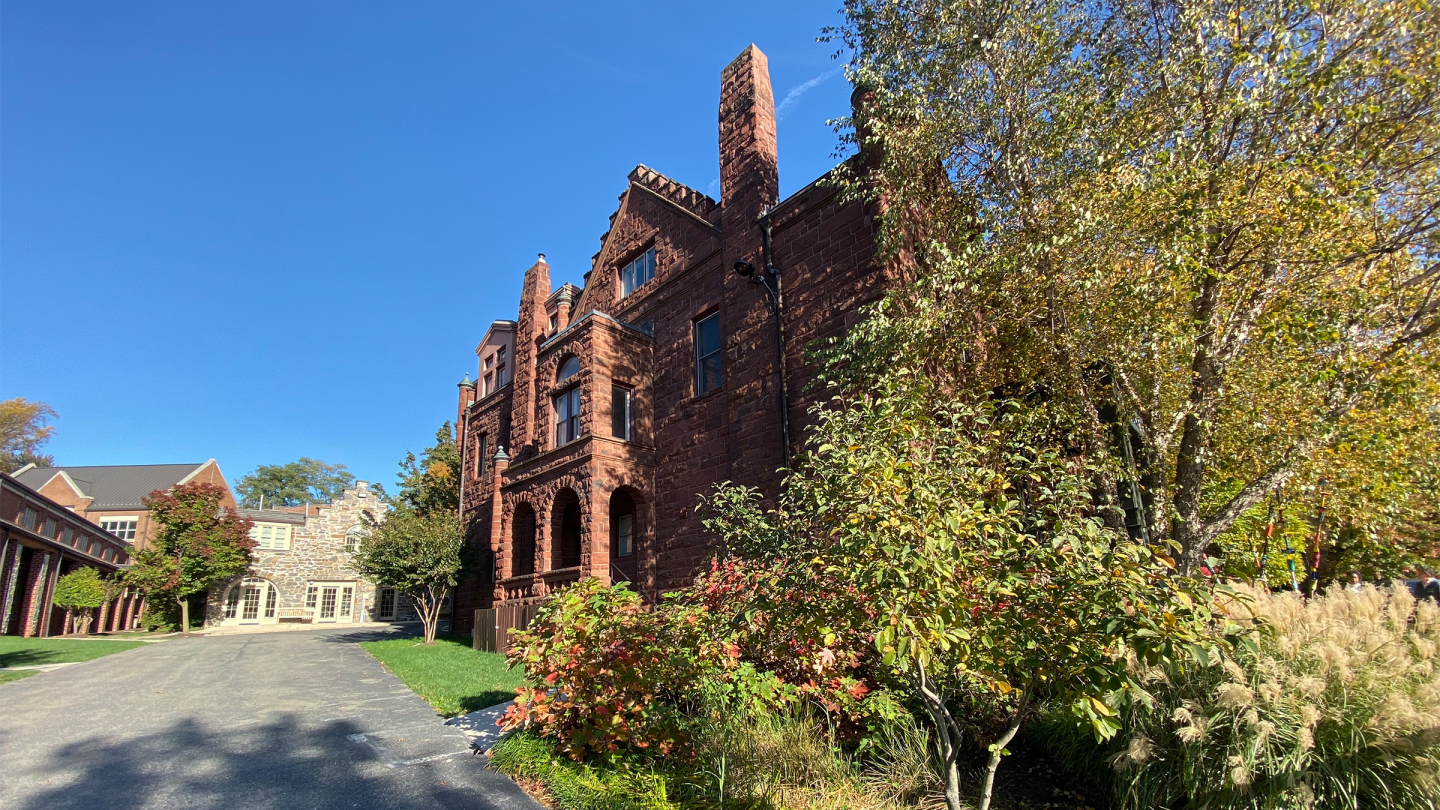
301,570
601,413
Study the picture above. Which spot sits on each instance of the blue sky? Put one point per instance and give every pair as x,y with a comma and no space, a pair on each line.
256,231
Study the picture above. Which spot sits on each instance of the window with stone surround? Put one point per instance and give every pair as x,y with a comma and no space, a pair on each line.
567,416
708,375
567,404
353,537
621,417
271,536
484,450
634,275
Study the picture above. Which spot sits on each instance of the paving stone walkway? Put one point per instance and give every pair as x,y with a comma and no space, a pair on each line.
276,720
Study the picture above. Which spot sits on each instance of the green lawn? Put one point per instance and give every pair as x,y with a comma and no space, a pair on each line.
15,675
22,652
452,677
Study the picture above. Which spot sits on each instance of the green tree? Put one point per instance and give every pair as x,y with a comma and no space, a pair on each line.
22,432
987,576
421,554
299,482
1211,225
431,483
198,544
82,591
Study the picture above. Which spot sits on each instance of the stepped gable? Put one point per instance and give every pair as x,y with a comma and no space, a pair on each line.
676,192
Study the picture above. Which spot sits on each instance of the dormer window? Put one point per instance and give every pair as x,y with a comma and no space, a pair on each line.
554,323
636,273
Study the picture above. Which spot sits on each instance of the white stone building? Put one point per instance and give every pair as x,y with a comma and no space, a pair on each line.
302,570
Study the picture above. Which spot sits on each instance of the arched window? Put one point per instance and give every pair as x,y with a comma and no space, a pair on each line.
566,530
625,532
566,404
353,538
250,600
568,369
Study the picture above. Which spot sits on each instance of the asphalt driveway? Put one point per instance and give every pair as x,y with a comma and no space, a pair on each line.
276,720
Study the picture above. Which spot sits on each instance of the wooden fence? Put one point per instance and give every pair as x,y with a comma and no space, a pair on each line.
493,626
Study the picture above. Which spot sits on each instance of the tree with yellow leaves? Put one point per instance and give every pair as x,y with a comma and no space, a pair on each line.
1209,229
22,432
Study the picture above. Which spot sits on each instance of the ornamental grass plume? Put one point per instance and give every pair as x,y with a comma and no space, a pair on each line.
1327,703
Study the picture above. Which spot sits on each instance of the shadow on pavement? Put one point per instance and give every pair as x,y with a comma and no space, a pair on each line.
275,765
394,631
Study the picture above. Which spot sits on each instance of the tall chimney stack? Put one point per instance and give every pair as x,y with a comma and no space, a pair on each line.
749,162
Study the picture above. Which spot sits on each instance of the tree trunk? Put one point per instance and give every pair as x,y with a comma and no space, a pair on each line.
1192,458
184,616
998,749
947,736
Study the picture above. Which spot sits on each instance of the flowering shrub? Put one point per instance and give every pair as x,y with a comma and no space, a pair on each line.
603,673
817,640
1329,703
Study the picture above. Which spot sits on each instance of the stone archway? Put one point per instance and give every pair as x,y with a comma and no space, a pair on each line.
566,526
626,534
522,543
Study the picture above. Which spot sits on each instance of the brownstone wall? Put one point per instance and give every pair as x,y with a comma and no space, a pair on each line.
685,443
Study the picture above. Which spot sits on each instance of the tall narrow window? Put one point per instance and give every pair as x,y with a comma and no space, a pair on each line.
636,273
567,416
621,401
707,354
625,536
483,453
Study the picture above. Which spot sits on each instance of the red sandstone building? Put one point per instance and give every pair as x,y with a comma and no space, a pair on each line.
601,414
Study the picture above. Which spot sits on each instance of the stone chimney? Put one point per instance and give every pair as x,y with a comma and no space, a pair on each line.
749,161
530,331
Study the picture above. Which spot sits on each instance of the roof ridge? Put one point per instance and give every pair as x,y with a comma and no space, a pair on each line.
674,190
696,202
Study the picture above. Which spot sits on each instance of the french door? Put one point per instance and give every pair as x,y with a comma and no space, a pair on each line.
333,602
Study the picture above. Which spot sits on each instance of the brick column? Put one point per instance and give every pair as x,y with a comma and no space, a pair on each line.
101,615
49,614
130,612
9,586
33,602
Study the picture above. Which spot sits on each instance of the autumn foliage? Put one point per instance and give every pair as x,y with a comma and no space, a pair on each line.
199,543
606,673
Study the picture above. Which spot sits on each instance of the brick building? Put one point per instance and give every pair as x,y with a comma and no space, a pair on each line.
601,413
301,568
111,496
41,540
